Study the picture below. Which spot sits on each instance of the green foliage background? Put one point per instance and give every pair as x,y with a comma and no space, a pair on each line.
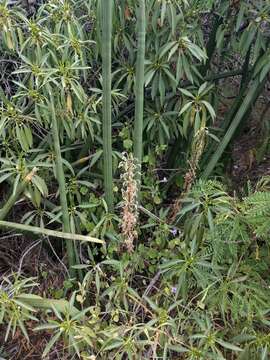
72,101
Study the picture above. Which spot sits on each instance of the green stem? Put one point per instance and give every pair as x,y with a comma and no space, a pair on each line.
62,186
107,115
139,95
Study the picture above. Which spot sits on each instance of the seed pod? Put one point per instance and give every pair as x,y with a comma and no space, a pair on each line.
69,102
10,44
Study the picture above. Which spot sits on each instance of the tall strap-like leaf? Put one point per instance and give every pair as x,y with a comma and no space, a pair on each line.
250,98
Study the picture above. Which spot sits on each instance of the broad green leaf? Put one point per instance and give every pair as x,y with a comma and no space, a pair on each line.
185,107
187,93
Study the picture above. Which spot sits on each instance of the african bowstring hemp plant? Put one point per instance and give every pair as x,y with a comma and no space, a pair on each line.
106,9
60,175
139,88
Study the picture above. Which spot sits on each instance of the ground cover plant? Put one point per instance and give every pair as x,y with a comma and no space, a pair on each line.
134,174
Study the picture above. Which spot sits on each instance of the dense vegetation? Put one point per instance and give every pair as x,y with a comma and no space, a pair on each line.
118,129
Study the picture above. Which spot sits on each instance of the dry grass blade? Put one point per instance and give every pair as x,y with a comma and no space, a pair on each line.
48,232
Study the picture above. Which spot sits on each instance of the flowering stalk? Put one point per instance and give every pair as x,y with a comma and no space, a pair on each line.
197,148
130,201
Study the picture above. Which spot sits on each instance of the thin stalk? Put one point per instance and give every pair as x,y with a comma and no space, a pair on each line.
62,186
47,232
139,88
224,75
107,111
14,196
251,96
